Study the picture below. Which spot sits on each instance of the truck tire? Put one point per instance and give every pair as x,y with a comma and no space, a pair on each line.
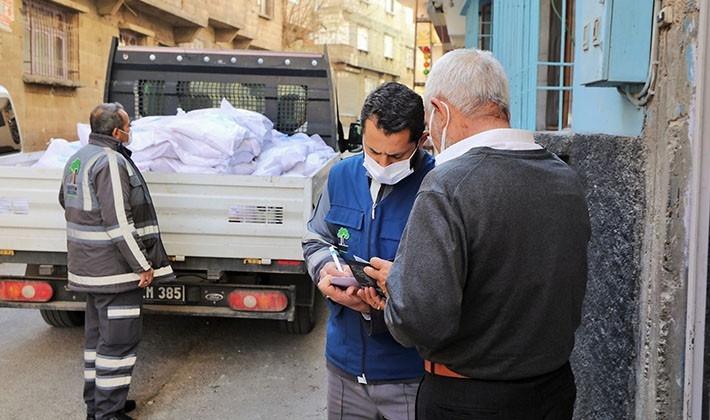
62,319
303,321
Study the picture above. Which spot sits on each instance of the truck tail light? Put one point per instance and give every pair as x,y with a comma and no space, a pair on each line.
289,262
25,291
257,301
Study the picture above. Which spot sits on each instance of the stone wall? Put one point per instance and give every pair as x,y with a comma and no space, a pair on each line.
612,170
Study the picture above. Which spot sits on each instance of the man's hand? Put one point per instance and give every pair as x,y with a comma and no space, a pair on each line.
379,270
346,297
146,278
370,296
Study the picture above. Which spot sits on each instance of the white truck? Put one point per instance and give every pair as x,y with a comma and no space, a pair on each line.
234,240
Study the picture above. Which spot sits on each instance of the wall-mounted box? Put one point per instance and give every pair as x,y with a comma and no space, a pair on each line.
614,42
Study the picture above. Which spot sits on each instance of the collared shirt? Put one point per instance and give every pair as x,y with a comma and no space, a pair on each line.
499,138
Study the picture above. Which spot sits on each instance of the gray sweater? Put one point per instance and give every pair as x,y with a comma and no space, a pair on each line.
491,271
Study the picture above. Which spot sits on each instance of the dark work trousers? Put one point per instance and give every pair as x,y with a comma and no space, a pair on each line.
545,397
112,331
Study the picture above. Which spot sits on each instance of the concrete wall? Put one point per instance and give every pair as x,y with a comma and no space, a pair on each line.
604,360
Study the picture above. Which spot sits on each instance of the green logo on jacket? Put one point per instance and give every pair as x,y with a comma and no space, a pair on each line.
343,235
73,170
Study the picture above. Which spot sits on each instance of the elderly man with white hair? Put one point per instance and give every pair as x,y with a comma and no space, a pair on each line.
491,272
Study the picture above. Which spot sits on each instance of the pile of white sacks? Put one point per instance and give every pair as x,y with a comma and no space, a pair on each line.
224,140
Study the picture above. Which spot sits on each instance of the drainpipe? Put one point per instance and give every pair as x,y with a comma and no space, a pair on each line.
699,207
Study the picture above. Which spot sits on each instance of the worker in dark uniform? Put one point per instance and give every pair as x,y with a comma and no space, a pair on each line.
114,250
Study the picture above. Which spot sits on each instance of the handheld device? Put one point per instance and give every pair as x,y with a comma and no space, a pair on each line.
358,269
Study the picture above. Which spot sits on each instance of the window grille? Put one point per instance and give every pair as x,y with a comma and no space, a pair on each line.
485,23
51,41
555,68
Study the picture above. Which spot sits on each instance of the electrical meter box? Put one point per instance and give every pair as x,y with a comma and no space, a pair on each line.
615,44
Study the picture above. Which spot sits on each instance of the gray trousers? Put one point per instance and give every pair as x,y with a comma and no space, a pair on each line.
348,400
112,331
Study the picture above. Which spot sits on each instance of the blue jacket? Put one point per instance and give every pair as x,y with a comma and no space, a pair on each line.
366,230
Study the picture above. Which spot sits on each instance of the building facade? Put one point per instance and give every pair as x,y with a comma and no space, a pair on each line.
54,53
369,42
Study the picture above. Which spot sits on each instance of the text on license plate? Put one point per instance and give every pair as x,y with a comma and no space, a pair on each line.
172,294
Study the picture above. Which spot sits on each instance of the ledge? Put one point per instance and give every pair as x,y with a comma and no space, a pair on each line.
223,31
69,4
157,8
137,29
51,81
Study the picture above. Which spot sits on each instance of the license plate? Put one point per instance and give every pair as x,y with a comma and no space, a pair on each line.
164,294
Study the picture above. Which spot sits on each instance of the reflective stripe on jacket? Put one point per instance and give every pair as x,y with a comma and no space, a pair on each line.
112,228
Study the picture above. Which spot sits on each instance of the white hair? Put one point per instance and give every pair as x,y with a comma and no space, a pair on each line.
468,79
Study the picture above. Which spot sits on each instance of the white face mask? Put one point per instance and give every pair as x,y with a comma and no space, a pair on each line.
390,174
442,145
130,137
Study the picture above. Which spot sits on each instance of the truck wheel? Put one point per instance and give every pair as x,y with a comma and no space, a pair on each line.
62,319
303,321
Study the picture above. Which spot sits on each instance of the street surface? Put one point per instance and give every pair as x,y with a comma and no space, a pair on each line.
188,368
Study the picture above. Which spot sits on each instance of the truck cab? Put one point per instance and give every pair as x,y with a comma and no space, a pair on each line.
9,127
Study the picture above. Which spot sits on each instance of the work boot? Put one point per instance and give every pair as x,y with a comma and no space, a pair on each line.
130,406
121,416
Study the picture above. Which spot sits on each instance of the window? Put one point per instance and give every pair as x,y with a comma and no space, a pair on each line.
555,61
266,8
389,6
130,38
362,44
333,34
409,59
485,24
370,85
389,47
51,41
539,57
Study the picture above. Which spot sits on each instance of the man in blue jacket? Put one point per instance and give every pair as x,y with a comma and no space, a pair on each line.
362,213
